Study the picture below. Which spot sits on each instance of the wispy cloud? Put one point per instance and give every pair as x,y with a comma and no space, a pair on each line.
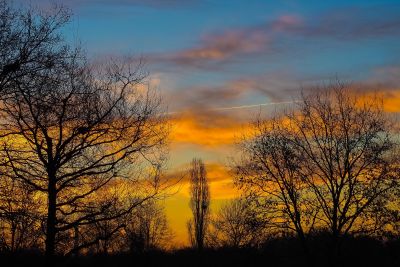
355,23
221,47
219,177
206,128
280,86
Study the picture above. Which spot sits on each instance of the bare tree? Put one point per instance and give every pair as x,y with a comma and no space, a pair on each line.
349,155
235,225
20,219
147,228
328,164
75,127
199,203
100,236
29,43
270,174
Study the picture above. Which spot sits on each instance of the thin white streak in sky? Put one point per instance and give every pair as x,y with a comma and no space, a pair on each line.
243,106
255,106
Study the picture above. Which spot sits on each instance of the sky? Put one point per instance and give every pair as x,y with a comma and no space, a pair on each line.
219,63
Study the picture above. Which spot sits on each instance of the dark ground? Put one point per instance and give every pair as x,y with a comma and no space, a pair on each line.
278,252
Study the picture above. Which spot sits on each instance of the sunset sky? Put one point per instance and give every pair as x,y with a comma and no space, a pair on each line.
218,63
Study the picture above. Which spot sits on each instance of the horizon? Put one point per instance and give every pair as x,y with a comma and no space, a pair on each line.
218,63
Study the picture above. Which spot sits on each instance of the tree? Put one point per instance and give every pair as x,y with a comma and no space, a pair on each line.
73,131
144,229
329,163
20,220
100,236
349,151
235,225
147,228
30,43
270,174
199,203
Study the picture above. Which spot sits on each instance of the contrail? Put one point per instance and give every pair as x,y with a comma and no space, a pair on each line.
256,105
243,106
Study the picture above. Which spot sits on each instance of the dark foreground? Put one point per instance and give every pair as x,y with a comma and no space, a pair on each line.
354,252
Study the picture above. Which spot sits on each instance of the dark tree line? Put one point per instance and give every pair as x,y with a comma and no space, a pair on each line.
82,149
327,167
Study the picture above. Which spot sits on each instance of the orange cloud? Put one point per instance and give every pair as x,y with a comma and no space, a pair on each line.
218,175
227,44
208,129
390,99
384,83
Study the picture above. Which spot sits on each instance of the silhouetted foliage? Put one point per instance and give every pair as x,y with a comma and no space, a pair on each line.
20,219
199,204
357,251
30,43
144,229
82,150
147,228
77,135
329,164
270,176
235,225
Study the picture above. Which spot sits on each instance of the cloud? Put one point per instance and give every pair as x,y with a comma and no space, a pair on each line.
221,47
270,37
206,128
274,86
387,76
152,3
239,99
384,83
219,178
286,23
248,90
391,99
354,23
265,88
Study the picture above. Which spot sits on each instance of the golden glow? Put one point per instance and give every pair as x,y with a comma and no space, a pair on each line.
202,132
210,130
391,101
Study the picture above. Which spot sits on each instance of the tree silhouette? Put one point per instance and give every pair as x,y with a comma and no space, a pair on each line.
20,219
147,228
30,43
199,203
270,175
235,225
328,164
75,127
349,150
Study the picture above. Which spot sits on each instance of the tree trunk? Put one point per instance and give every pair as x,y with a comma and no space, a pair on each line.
51,218
13,230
